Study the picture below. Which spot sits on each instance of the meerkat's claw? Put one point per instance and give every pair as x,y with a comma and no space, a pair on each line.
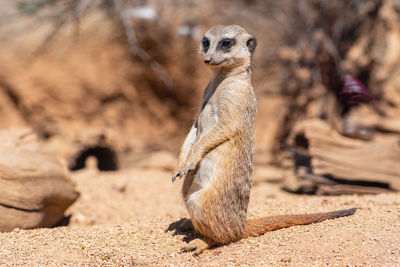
174,177
185,172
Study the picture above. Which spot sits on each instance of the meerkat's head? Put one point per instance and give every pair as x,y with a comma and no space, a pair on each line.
227,47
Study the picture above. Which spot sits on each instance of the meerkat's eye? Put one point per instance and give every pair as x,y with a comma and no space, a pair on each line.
226,43
206,44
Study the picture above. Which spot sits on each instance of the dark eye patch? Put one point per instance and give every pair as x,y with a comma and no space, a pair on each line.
206,44
226,43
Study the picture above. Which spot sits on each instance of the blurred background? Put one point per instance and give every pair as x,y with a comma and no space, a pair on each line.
121,81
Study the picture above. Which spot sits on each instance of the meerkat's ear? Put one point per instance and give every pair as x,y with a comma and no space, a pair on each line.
251,44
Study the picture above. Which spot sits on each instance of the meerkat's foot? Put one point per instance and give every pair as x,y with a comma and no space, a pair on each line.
186,226
198,245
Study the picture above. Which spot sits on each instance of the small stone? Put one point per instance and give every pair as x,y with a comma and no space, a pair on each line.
286,259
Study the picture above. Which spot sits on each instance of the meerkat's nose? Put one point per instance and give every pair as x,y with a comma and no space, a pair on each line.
207,60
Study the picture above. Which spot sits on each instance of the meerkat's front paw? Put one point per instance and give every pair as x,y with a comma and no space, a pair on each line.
182,174
198,245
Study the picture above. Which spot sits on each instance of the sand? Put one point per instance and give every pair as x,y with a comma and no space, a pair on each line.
122,219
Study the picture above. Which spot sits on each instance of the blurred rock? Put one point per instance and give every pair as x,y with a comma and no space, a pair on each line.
35,188
333,164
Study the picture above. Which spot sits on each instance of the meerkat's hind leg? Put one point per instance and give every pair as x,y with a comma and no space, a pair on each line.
199,245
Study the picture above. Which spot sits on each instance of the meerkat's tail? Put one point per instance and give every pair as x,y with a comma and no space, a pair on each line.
257,227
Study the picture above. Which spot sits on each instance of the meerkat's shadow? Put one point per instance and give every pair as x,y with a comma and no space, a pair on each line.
183,227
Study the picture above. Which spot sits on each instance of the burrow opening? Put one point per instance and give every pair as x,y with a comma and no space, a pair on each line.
106,157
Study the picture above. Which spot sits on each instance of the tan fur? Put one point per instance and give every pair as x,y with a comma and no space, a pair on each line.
216,159
257,227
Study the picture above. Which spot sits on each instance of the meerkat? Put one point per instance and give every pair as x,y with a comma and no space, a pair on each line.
216,158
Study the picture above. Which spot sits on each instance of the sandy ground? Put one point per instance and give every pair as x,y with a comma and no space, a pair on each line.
122,218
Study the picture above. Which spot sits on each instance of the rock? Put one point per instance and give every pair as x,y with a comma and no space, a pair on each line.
35,188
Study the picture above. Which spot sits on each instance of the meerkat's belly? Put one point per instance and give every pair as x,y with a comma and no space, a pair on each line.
216,184
214,171
214,163
202,179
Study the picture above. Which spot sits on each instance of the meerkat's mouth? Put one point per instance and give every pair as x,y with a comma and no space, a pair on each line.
214,64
